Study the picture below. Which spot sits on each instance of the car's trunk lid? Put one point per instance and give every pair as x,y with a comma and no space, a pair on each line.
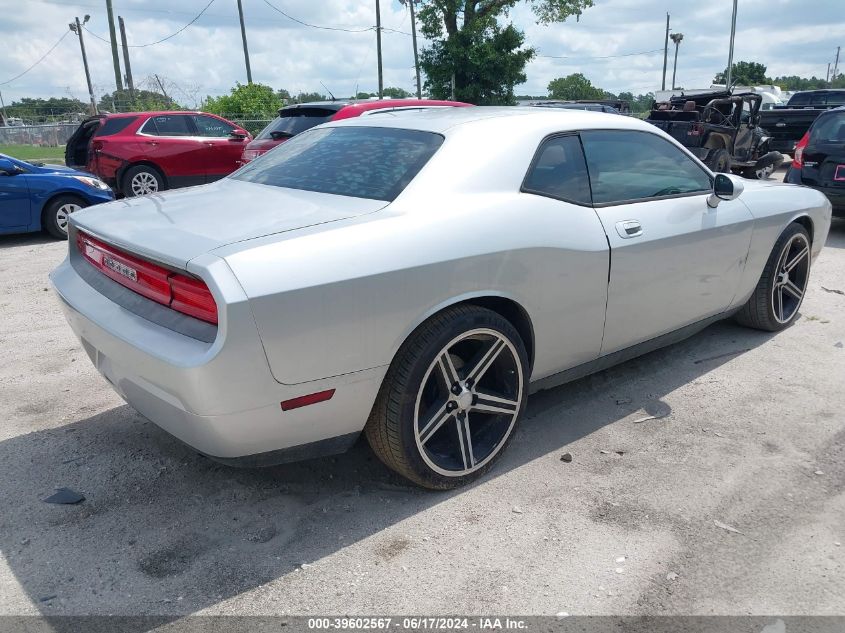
173,227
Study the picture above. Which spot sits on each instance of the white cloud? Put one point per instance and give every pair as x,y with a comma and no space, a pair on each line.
207,56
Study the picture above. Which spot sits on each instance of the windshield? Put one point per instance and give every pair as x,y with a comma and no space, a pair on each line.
294,121
362,162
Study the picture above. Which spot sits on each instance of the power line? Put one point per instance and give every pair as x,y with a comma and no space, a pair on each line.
164,39
315,26
658,50
41,59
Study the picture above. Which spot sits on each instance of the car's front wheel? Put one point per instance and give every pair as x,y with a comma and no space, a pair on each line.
451,398
57,213
775,302
141,180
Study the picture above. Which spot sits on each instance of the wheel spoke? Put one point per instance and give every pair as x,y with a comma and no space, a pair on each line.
792,289
447,368
483,365
797,259
779,294
465,440
488,403
434,423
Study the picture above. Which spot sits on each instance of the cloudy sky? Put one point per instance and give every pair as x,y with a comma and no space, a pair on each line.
617,44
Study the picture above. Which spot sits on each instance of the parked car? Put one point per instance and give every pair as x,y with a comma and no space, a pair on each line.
297,118
146,152
721,129
820,159
577,105
414,277
787,124
34,196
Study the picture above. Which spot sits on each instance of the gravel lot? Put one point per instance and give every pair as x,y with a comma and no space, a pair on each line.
750,434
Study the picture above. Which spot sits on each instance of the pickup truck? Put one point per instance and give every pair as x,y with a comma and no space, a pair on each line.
787,124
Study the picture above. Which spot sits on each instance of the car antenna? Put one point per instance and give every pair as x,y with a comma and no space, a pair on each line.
327,90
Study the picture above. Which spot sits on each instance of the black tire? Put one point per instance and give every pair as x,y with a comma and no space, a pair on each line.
134,178
416,373
759,311
55,213
719,161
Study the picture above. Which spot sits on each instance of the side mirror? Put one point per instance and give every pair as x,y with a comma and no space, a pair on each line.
725,188
8,168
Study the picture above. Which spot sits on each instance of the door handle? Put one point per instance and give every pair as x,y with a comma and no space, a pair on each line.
151,143
629,228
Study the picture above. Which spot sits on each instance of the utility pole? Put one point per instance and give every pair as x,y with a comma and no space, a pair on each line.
665,53
160,85
827,76
3,107
731,50
126,65
414,38
378,51
677,38
835,66
76,27
243,37
117,80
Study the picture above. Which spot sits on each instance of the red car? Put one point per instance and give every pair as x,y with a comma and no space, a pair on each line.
297,118
144,152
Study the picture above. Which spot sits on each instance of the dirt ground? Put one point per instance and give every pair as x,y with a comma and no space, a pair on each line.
731,502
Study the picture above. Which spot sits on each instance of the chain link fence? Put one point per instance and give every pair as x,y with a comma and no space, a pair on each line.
51,135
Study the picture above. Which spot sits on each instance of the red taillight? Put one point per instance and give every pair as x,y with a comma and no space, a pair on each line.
184,294
304,401
191,296
798,156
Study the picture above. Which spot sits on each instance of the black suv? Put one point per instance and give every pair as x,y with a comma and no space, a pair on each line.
820,159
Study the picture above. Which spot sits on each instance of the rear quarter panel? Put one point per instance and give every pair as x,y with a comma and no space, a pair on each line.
774,207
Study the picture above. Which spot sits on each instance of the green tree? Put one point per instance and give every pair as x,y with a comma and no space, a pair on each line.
365,95
574,87
37,110
485,59
121,101
396,93
305,97
744,74
246,100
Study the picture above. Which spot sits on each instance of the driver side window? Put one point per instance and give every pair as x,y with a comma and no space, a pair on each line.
630,166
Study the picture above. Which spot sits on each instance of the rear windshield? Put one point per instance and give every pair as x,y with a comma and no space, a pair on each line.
292,122
361,162
113,126
829,128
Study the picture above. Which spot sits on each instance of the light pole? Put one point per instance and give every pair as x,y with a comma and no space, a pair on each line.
414,38
731,50
677,38
76,27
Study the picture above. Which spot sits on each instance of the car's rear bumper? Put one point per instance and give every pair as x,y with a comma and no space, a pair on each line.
835,195
218,397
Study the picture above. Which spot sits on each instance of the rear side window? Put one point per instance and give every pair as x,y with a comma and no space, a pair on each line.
829,128
559,171
168,125
626,166
113,126
835,99
294,121
362,162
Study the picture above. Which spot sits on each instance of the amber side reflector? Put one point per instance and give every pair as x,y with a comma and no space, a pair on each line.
304,401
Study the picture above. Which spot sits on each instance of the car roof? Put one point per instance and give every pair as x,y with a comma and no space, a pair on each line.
440,120
119,115
370,104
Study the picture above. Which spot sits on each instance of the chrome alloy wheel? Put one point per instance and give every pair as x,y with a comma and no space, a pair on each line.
791,275
468,402
764,172
143,183
63,213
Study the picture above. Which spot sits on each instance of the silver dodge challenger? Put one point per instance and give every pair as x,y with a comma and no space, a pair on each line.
416,275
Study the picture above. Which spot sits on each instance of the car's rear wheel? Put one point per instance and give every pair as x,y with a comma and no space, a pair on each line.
780,291
57,213
141,180
719,161
451,398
